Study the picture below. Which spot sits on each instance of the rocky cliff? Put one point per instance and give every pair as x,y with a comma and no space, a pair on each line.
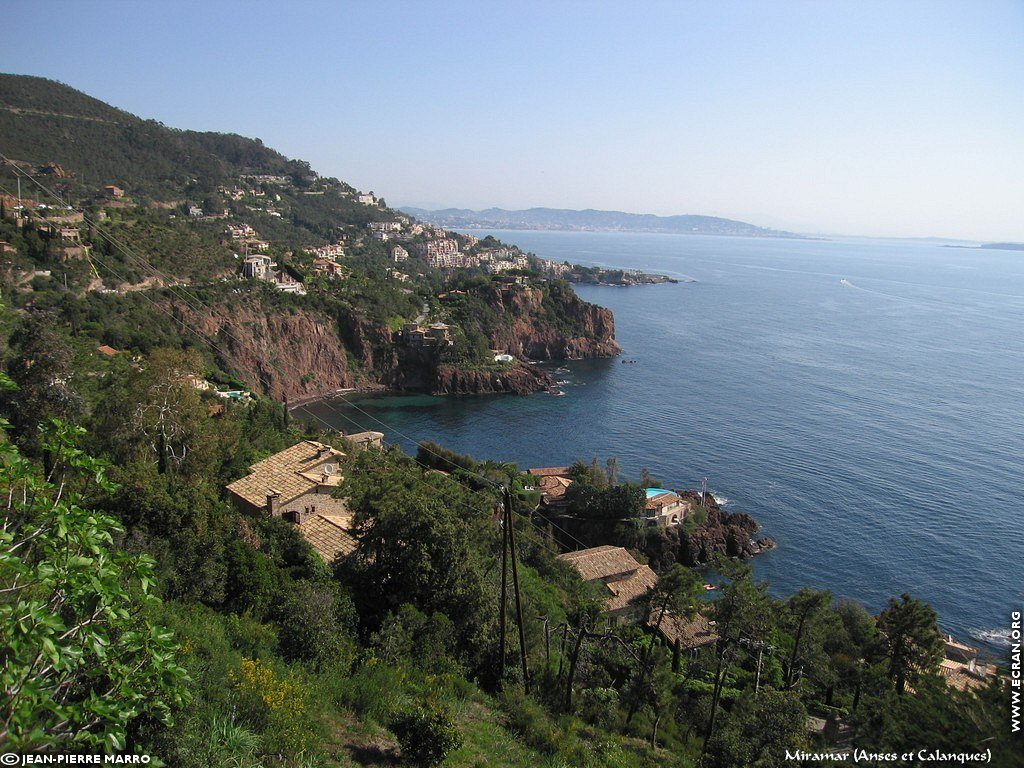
418,370
300,354
724,533
549,323
290,355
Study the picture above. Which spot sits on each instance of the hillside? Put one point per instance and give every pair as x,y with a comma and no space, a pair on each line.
292,284
591,221
42,121
191,578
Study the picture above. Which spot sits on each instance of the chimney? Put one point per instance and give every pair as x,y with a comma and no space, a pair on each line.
324,452
272,501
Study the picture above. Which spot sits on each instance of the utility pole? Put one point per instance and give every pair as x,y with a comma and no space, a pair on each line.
504,591
561,649
572,663
515,587
547,644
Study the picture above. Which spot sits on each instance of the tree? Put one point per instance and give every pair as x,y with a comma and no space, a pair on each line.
616,502
675,594
803,609
612,470
744,611
42,368
312,621
911,631
421,540
157,414
79,660
759,731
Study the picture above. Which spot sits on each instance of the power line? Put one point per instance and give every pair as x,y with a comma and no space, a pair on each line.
197,306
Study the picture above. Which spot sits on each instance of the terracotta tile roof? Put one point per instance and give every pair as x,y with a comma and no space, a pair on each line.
693,632
663,500
328,535
601,562
960,676
553,487
103,349
291,473
623,577
625,591
547,471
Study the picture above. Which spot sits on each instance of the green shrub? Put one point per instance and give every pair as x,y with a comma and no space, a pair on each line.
528,718
599,706
374,691
427,734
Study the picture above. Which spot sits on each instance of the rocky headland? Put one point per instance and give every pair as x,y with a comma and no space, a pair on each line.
723,533
302,354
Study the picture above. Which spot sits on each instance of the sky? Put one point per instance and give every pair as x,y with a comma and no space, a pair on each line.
900,118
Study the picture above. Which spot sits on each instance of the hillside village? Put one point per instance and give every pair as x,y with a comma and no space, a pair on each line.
192,573
422,282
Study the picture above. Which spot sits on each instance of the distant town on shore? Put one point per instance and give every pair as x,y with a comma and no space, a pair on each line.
590,220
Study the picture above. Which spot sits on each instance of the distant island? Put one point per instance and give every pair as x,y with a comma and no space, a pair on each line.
590,220
992,246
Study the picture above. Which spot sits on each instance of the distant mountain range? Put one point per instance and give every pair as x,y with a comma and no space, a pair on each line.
591,221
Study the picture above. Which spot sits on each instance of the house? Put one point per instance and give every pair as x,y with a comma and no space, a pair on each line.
258,266
434,335
435,250
327,267
6,247
622,579
103,349
288,284
111,191
552,482
437,334
690,633
399,254
240,231
365,440
960,667
367,199
665,508
297,485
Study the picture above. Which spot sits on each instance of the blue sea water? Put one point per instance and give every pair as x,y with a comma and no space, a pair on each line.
860,398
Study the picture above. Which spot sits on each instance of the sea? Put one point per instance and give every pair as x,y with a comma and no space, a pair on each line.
861,398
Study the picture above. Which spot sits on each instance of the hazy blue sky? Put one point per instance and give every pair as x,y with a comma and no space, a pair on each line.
874,118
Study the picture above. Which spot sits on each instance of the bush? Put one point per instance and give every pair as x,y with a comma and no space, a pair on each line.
374,691
599,706
427,734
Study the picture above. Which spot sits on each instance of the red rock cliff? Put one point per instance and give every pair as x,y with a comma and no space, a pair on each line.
552,324
283,354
